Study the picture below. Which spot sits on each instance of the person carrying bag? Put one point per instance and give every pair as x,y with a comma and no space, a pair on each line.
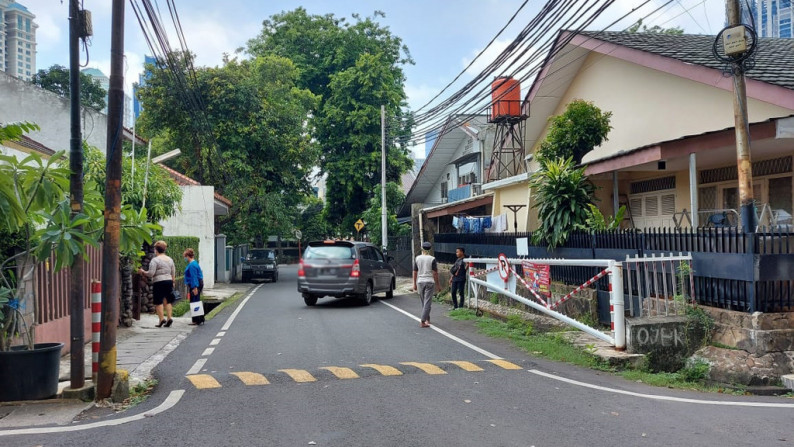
194,280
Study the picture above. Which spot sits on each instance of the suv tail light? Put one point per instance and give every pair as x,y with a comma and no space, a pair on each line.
355,271
301,271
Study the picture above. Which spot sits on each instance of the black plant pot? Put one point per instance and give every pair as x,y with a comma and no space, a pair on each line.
30,374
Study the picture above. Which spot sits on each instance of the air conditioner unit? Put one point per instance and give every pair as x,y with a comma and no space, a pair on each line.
476,189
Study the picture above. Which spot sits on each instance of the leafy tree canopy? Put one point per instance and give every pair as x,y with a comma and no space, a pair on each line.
163,195
56,80
244,127
640,28
354,68
576,131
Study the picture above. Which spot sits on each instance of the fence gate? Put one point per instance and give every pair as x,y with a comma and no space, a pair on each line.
507,279
400,251
658,285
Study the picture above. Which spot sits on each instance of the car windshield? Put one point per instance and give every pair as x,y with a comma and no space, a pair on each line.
261,254
329,252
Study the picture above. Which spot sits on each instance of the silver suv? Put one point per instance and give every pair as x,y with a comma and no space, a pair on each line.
344,268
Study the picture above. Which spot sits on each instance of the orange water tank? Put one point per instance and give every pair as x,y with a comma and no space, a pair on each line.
506,97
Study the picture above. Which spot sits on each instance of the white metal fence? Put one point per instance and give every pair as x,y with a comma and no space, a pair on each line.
659,285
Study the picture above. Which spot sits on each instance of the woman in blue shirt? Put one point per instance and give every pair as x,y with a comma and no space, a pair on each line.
194,280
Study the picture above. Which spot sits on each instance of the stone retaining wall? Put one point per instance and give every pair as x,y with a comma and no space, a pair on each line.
757,333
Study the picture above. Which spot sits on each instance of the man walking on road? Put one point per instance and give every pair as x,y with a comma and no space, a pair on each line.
425,281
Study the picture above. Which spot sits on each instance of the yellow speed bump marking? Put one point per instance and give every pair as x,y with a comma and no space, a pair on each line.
250,378
385,370
504,364
203,381
428,368
466,366
299,375
342,373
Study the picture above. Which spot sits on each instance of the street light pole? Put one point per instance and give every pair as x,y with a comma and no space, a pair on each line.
384,220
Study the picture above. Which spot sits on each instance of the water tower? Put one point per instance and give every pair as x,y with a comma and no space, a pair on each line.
507,157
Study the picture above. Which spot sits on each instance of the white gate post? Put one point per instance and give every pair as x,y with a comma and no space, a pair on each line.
616,305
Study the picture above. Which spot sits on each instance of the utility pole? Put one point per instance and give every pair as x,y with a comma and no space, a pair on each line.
384,220
76,271
110,248
742,127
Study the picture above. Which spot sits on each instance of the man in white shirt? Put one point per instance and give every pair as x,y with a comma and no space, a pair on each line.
426,281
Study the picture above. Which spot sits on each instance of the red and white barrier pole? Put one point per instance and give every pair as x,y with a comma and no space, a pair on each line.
616,305
96,326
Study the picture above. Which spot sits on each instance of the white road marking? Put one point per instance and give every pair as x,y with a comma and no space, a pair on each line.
665,398
196,367
447,334
221,334
215,341
172,399
231,318
207,352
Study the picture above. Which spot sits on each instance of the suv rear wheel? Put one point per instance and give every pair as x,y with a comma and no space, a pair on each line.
390,292
366,298
309,299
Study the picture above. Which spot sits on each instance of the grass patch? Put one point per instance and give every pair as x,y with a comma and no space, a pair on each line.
227,302
552,345
722,346
549,345
180,308
140,392
183,306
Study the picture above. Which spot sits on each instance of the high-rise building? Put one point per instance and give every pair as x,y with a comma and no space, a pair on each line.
104,81
17,40
772,18
136,103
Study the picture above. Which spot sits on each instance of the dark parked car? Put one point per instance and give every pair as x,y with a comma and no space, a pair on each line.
344,268
260,263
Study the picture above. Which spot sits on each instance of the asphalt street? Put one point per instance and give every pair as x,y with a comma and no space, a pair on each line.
271,371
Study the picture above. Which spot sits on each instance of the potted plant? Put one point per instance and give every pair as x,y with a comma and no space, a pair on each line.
34,208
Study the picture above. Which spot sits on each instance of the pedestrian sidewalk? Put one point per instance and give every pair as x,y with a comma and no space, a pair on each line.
139,349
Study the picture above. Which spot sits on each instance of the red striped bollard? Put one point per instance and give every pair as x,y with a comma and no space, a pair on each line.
96,326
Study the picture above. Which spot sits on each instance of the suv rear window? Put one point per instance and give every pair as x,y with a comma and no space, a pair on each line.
261,254
329,252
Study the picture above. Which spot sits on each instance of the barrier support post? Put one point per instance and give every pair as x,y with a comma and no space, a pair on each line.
616,305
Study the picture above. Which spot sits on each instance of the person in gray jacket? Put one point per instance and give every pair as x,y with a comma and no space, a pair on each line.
426,281
162,271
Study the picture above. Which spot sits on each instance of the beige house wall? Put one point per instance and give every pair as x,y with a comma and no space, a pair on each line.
516,194
661,104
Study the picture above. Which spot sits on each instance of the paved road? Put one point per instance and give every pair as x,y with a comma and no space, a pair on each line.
339,374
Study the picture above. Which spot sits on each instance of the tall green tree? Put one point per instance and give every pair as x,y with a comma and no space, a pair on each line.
354,68
56,80
576,131
244,127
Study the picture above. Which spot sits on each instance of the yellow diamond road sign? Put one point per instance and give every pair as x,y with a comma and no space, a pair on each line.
359,225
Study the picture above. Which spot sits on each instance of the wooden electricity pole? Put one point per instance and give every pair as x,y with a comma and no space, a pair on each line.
76,285
110,248
742,126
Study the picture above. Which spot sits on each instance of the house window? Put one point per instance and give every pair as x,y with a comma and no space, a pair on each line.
652,203
444,191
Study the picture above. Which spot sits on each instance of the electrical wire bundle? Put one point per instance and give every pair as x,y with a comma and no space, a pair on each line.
523,58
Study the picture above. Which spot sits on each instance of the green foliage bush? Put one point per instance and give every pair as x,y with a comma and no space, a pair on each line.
562,195
177,246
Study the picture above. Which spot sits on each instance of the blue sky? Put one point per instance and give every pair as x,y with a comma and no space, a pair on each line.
443,36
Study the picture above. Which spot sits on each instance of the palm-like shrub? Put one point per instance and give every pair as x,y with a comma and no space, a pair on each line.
562,195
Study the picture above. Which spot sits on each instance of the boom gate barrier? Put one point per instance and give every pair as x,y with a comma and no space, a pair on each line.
611,269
